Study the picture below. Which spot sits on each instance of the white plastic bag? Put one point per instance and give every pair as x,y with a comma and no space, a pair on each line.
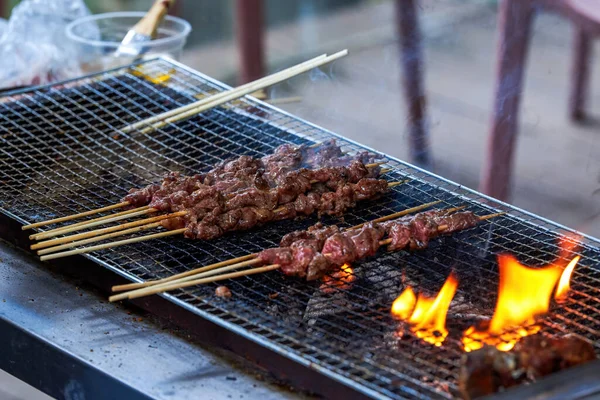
33,47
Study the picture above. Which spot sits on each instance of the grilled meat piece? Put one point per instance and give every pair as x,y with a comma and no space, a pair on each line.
223,291
317,232
400,234
488,370
415,232
366,240
303,252
339,249
277,255
141,197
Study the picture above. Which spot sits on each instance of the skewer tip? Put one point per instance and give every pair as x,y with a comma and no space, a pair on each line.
490,216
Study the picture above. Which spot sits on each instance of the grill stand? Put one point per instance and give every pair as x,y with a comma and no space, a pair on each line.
283,369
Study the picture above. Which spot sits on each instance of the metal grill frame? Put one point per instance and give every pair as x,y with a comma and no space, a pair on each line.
355,373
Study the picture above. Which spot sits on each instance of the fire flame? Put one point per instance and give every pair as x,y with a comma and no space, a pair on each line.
341,279
524,293
427,316
564,284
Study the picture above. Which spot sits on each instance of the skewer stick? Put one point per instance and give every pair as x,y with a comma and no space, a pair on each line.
237,93
377,164
131,286
70,229
489,216
400,213
152,289
212,97
97,232
75,216
98,238
112,244
174,286
83,224
214,101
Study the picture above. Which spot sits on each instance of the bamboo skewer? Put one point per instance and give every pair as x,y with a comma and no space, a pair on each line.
84,224
191,281
98,238
75,216
235,94
70,229
256,83
173,286
131,286
189,110
112,244
399,213
150,290
102,231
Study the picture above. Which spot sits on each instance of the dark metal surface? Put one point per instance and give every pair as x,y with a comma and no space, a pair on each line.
61,152
62,337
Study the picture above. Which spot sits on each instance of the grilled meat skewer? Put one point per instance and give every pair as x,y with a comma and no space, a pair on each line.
312,253
247,172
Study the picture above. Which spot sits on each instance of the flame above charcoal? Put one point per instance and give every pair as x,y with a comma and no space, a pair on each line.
341,279
426,316
524,293
564,283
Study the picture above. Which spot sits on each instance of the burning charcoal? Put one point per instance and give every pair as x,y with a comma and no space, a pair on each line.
488,370
541,356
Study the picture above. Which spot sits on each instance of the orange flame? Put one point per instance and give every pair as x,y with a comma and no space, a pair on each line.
564,284
341,279
427,316
524,293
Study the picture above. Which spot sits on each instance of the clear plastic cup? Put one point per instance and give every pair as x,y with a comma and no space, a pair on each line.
97,37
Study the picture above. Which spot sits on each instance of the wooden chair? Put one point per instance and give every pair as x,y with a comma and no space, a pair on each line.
515,20
250,31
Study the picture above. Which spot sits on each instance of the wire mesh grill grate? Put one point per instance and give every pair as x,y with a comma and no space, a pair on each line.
62,152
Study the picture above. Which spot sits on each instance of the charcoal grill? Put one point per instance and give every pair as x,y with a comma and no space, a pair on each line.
62,152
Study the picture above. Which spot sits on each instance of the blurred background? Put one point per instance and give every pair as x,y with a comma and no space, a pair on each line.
557,161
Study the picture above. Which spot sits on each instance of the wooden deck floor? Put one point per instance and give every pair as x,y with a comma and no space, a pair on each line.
558,163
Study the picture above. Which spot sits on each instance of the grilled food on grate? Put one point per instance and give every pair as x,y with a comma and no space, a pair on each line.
312,253
320,249
240,194
488,370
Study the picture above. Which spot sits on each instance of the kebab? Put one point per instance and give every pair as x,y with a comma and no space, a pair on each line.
488,370
312,253
246,172
198,222
226,177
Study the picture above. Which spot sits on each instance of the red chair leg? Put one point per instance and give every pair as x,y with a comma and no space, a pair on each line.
249,32
580,74
515,19
410,54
